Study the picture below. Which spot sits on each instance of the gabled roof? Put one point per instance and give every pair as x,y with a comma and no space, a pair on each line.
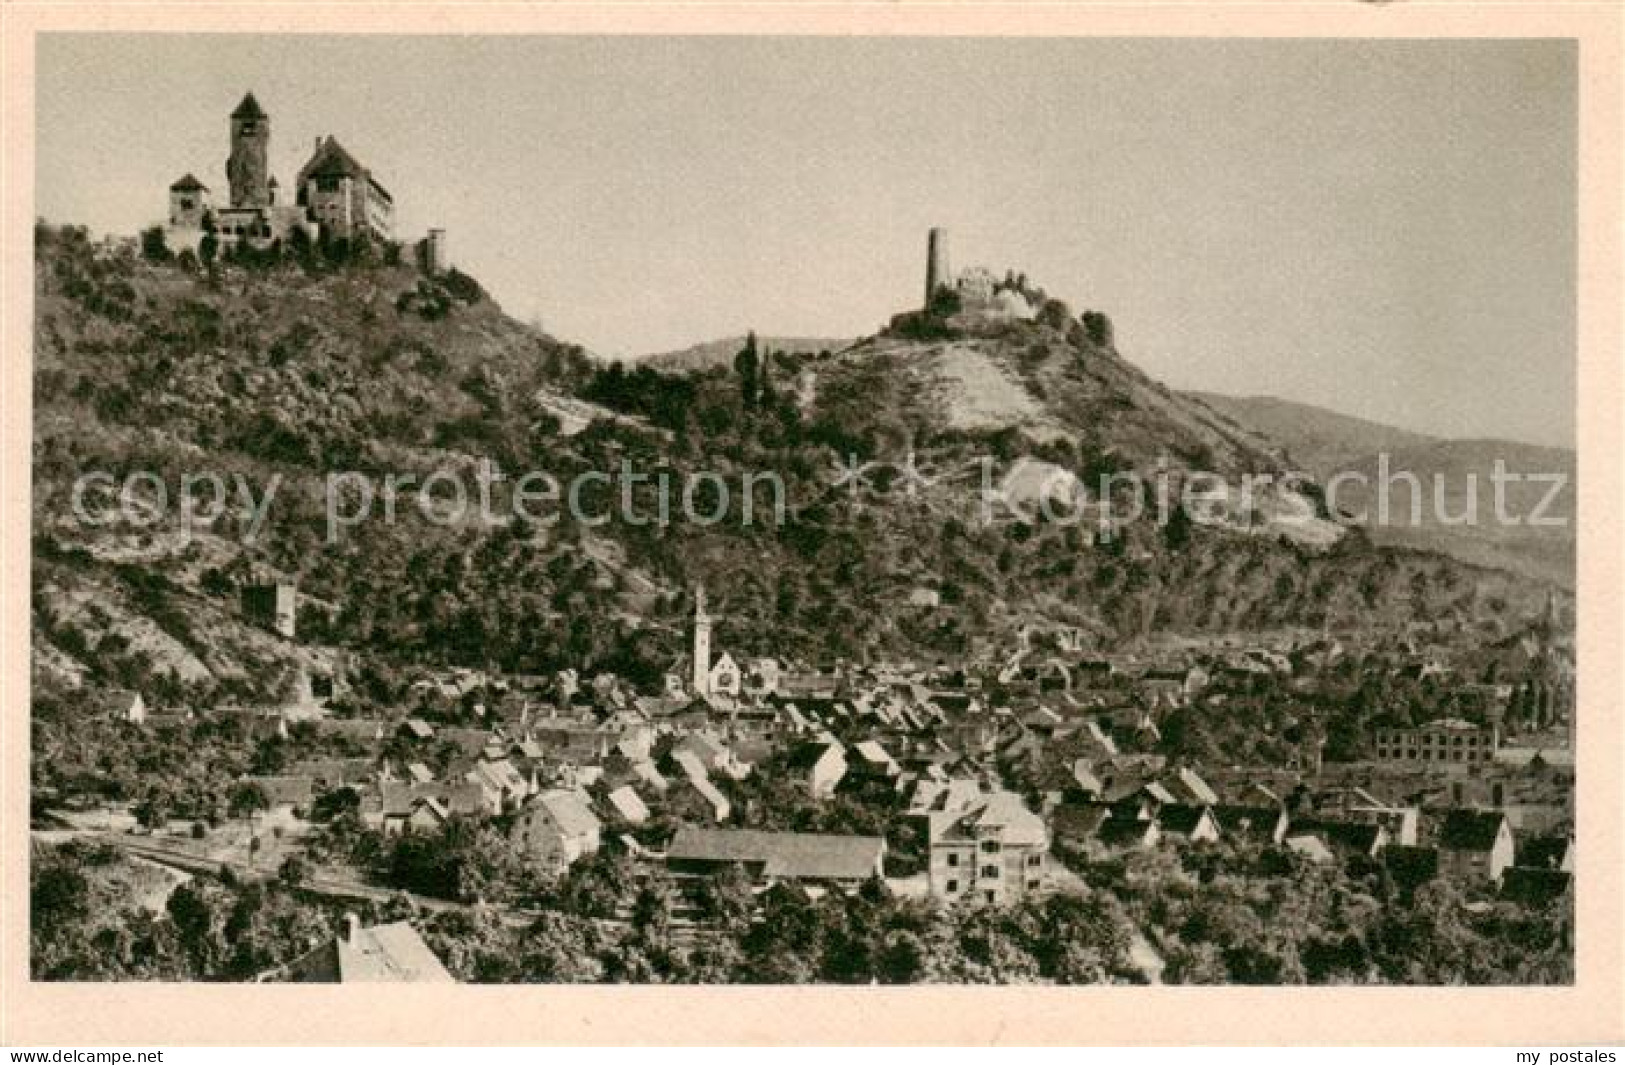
1117,831
1543,852
249,108
871,751
284,788
1159,793
720,806
1180,819
1196,788
358,728
1357,836
1414,864
391,953
188,183
944,796
433,805
332,160
1258,821
706,748
117,701
1002,810
1080,820
628,804
792,855
1470,830
1533,887
807,755
650,774
690,764
1311,847
569,811
471,741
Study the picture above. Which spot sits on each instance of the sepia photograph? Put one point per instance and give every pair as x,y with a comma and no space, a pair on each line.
768,509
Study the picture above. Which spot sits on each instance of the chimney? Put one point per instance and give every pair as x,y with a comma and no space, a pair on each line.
318,145
352,929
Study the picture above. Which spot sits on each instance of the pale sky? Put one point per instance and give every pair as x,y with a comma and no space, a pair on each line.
1383,228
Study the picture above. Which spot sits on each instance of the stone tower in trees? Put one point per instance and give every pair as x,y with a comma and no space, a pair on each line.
936,264
248,168
702,644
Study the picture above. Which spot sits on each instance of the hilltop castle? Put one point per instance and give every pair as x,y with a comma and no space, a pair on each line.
977,291
334,195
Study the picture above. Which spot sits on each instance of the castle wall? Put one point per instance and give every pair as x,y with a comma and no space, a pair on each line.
332,203
239,225
378,212
346,207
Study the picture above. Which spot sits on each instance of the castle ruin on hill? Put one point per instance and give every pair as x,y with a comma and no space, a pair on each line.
975,291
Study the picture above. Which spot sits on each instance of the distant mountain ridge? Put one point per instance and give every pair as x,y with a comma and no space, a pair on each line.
1327,443
1318,439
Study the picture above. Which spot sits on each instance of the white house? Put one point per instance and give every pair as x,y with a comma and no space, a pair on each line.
557,827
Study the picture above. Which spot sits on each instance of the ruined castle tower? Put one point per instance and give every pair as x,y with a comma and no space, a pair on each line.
936,264
248,168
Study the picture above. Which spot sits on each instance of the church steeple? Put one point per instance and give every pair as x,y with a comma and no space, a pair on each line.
702,644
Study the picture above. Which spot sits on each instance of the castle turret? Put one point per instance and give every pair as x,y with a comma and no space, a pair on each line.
188,202
434,252
936,264
248,168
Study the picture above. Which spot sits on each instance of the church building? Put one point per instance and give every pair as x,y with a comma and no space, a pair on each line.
707,676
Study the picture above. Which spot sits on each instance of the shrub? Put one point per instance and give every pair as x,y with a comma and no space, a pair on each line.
154,248
1098,327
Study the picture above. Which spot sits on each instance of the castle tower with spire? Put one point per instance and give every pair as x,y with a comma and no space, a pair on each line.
702,644
248,168
937,273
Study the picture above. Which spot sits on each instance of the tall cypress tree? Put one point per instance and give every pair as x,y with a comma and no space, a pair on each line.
748,365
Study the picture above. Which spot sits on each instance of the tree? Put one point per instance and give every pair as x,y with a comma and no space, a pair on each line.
1177,532
726,900
248,799
560,948
60,896
747,364
1098,327
152,812
154,248
294,871
336,803
193,915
